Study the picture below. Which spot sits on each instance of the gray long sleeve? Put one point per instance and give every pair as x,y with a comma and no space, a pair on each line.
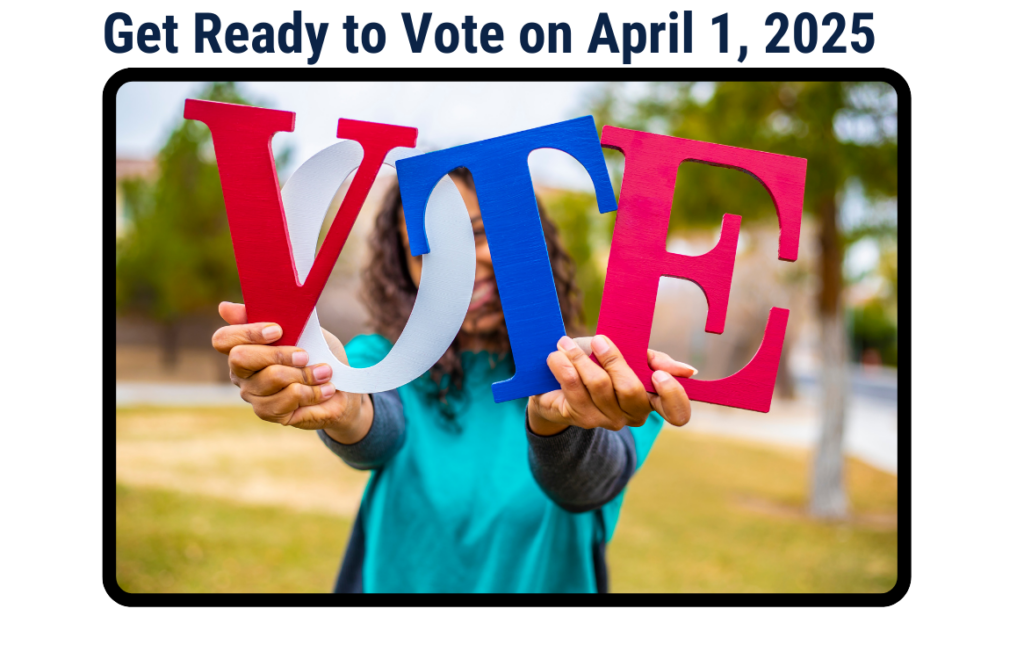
386,435
581,470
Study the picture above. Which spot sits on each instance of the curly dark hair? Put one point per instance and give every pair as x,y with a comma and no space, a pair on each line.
388,291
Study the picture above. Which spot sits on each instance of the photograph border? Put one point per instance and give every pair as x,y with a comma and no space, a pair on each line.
903,199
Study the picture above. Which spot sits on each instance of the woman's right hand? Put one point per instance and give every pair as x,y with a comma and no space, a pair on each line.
281,388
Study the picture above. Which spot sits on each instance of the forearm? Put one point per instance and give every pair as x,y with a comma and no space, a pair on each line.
581,470
383,437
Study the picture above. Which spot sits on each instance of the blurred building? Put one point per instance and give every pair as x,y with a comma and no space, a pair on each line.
339,309
129,168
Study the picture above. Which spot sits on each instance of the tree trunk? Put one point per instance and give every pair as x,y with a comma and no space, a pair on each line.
169,345
828,489
785,384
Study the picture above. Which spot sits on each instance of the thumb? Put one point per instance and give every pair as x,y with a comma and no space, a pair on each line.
664,362
232,313
335,345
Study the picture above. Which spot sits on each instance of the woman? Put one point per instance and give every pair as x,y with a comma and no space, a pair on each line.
467,495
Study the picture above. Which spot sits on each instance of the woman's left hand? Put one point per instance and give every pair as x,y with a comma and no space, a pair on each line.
608,395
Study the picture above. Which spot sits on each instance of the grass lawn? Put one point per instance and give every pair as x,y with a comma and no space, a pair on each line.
170,542
707,514
213,500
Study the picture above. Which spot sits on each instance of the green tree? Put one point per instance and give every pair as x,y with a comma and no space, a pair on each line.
847,133
176,257
583,230
872,329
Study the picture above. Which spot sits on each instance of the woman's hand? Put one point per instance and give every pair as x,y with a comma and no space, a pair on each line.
281,388
608,395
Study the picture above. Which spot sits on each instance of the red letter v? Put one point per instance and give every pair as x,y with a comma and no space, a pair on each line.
252,195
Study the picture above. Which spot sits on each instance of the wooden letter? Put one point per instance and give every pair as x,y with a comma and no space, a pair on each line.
446,284
270,281
638,258
518,249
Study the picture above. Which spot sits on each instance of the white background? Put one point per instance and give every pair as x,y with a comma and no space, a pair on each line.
967,445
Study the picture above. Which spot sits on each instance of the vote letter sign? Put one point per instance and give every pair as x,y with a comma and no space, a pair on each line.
638,258
274,233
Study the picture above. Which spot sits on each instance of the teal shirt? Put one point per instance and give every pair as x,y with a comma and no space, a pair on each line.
457,508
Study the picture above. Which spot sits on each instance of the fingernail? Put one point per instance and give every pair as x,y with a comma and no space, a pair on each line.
272,332
300,359
327,391
322,372
661,376
689,367
566,343
599,344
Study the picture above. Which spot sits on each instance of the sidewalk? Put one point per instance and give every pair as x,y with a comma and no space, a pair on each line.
178,394
870,427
